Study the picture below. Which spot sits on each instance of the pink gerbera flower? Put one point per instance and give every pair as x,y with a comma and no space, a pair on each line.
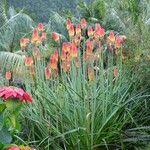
10,92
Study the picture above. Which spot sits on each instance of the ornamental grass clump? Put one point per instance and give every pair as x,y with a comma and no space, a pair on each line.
81,86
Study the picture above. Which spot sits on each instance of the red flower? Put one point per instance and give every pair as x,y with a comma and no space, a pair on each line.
111,38
68,23
53,61
8,75
40,27
47,73
71,30
90,31
24,42
99,31
8,92
35,37
55,36
118,42
66,47
89,46
83,23
63,54
78,29
28,61
73,51
43,36
56,54
13,148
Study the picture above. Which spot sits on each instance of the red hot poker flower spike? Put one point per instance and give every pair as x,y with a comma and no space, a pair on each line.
53,62
111,38
40,27
68,23
118,42
8,75
47,73
35,36
28,61
24,42
78,29
71,30
83,23
74,52
55,36
90,31
43,36
99,31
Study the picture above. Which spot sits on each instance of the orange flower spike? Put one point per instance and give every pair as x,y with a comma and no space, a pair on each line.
97,26
39,40
74,51
66,47
76,40
28,61
102,32
24,42
78,29
35,36
8,75
53,62
43,36
89,46
55,36
71,30
90,74
111,37
65,65
47,72
56,55
68,23
83,23
90,31
118,42
40,27
115,71
63,55
99,31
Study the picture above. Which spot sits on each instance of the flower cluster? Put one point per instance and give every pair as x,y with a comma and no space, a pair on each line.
38,38
10,92
85,45
21,147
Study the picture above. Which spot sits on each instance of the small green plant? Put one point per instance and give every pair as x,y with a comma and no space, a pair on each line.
10,106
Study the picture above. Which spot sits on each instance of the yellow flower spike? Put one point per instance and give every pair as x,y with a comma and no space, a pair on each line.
90,74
